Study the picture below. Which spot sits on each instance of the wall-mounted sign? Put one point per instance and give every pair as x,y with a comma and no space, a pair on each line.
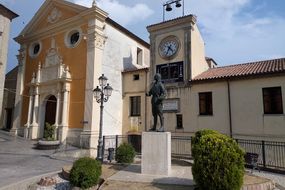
171,105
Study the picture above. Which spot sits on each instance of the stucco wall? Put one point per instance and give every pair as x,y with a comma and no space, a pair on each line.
198,61
134,88
189,107
247,109
248,118
120,53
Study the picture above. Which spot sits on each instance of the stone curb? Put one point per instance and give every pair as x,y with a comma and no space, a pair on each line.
24,184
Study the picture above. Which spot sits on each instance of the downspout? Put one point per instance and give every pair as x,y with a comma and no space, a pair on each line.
230,109
145,101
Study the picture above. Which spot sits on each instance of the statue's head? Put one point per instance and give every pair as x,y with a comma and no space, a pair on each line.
157,77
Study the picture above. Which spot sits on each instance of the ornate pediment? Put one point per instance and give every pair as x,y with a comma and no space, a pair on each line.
54,15
51,12
53,68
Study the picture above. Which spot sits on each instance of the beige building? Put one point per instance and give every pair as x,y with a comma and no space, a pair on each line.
242,101
65,48
6,17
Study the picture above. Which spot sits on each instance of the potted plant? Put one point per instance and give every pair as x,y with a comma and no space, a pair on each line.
49,141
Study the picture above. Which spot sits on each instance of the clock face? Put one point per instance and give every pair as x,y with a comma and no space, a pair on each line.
168,47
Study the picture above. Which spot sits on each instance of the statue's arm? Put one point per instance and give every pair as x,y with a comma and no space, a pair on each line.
149,93
162,93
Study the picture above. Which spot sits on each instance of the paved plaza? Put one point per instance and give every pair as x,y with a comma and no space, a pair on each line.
19,160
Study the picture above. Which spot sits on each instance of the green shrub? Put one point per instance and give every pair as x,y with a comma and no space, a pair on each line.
49,132
125,153
201,133
218,161
85,172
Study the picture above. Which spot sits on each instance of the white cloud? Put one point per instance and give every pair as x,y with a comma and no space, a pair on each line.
234,31
121,13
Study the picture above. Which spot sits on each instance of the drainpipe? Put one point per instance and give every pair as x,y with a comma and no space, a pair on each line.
230,109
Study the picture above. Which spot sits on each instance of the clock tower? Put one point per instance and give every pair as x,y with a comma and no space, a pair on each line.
177,50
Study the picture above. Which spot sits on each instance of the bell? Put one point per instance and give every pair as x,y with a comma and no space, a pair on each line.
178,4
168,7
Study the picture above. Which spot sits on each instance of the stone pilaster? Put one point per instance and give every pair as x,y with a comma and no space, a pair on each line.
95,46
63,128
29,119
19,90
34,128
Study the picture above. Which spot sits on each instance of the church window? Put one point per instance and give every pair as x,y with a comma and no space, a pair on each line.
205,103
73,37
272,100
34,49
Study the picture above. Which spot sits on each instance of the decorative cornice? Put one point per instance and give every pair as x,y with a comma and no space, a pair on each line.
185,20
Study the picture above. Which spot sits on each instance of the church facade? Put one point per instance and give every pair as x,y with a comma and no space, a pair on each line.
64,50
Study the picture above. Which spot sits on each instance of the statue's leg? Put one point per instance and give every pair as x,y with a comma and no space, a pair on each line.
160,114
154,122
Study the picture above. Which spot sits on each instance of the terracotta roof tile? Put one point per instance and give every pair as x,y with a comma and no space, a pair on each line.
245,69
134,69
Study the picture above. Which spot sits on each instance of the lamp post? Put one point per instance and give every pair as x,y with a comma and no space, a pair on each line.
167,6
102,94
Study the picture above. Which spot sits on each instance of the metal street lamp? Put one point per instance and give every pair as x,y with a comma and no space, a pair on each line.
167,6
102,94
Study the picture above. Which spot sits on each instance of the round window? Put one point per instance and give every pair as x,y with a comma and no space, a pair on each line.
35,49
73,37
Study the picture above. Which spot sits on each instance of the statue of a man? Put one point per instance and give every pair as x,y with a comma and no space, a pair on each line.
158,94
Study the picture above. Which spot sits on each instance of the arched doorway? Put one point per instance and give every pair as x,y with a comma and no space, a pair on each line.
50,111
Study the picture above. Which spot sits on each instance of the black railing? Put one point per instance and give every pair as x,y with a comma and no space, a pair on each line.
181,147
271,155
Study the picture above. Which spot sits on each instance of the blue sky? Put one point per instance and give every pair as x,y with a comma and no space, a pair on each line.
234,31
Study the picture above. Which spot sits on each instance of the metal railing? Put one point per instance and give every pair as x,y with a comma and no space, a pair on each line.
271,154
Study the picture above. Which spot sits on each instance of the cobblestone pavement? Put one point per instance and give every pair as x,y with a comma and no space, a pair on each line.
19,160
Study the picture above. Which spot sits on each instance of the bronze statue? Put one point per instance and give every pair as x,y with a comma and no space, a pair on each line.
158,94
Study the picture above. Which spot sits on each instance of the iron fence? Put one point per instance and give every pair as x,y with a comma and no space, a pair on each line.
271,154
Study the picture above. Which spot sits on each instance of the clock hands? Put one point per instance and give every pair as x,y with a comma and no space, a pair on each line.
169,48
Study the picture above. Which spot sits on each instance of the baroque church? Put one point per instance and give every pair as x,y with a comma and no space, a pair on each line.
66,47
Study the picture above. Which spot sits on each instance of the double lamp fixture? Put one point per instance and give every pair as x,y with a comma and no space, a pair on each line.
167,6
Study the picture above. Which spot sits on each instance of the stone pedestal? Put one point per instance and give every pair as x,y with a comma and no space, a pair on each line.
156,153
